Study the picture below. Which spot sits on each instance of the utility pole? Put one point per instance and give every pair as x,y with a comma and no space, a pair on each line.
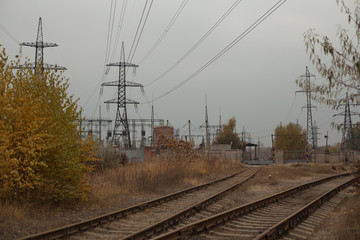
347,137
93,126
152,125
142,122
327,138
189,131
243,133
100,123
143,139
207,128
316,133
80,122
134,131
39,46
309,126
121,119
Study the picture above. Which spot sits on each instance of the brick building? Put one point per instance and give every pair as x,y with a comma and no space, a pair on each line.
166,131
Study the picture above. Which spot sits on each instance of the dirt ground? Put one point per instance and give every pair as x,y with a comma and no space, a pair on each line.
25,221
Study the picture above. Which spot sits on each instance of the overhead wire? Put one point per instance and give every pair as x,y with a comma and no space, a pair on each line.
107,51
120,26
108,45
137,29
228,47
292,105
108,35
9,34
112,29
213,27
167,29
142,29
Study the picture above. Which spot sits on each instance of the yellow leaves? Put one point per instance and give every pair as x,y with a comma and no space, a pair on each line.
290,137
41,155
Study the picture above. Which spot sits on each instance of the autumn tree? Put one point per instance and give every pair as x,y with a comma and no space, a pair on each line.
227,135
339,62
42,156
290,138
181,151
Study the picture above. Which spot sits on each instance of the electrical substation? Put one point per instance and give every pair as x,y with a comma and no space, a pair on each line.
128,134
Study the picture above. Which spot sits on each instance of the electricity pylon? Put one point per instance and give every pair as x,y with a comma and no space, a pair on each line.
39,46
309,123
347,136
121,119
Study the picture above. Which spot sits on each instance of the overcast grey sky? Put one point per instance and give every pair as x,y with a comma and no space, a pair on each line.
254,81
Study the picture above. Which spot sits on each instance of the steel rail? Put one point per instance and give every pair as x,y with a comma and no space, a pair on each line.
164,224
294,219
71,229
208,223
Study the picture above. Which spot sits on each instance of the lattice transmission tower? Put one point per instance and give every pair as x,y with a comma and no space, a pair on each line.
347,142
310,138
39,46
121,120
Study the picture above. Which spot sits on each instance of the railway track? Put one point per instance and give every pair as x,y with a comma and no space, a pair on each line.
153,217
270,217
305,229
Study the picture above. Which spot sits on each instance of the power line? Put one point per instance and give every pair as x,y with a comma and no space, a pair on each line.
228,47
109,34
292,105
107,51
221,19
143,23
112,28
120,24
167,29
9,34
142,29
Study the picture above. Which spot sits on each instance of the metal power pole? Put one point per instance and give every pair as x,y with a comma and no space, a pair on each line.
100,123
134,134
207,128
347,136
142,123
152,125
39,46
80,122
189,131
327,145
121,119
309,126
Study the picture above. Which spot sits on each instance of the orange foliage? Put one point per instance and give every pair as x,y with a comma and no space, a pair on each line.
176,150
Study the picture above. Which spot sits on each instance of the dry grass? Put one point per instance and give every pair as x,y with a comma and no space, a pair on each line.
12,214
112,189
122,186
297,171
349,227
153,177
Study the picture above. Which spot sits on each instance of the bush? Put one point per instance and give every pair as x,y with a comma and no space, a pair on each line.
42,156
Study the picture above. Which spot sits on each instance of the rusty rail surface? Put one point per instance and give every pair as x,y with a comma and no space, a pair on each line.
221,218
69,230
